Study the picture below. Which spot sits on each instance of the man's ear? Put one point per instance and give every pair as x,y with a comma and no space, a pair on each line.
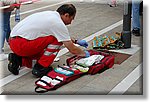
66,14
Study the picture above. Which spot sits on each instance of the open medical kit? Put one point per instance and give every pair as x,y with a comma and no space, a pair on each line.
76,67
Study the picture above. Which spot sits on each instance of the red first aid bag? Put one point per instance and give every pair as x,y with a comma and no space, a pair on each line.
64,74
56,78
106,62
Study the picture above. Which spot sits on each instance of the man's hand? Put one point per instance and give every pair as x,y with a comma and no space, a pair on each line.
87,54
82,43
16,5
11,8
74,49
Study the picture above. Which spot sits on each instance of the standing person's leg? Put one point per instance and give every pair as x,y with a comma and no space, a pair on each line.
9,28
112,3
6,23
5,28
2,36
1,27
135,18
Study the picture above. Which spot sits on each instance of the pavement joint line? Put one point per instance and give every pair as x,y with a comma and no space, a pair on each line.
123,86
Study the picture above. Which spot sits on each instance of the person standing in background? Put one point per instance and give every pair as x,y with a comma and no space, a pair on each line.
136,17
112,3
5,22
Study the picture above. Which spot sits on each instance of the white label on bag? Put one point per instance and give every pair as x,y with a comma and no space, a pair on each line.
47,79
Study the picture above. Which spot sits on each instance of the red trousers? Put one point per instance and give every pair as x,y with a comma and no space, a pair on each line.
43,49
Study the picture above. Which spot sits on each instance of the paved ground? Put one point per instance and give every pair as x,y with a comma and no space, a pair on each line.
92,18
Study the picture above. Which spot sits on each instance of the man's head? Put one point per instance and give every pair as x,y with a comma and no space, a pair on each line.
67,13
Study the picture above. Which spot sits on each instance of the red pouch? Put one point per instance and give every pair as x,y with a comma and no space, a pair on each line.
54,80
106,62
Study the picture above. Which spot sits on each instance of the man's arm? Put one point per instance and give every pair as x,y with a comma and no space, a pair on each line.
10,2
74,49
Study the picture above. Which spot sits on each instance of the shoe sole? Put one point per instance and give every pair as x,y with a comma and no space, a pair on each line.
38,74
14,69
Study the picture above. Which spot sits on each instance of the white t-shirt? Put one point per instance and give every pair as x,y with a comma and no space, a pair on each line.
40,25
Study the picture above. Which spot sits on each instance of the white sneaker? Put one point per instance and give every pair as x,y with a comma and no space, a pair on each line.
3,56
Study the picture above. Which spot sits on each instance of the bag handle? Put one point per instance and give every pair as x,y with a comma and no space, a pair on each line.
37,89
43,90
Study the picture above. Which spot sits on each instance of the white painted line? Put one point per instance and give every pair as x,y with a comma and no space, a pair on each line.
11,77
123,86
104,30
62,52
41,8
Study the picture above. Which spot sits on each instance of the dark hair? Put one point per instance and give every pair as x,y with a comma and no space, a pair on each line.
67,8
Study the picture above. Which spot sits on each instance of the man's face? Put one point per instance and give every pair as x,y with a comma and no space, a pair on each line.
67,19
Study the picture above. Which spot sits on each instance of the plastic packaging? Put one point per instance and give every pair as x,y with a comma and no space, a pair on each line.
17,15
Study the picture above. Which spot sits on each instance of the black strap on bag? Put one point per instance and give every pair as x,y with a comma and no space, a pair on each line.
43,90
40,91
